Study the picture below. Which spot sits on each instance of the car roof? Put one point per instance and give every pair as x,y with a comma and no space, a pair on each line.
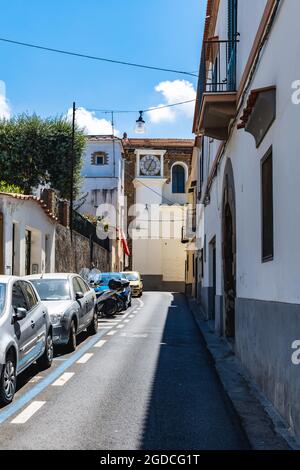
6,279
51,276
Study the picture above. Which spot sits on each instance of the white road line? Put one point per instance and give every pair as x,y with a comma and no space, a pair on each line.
63,379
131,316
28,412
120,326
111,333
84,358
100,343
126,321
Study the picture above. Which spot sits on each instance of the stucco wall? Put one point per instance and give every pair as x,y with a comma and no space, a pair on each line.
268,294
26,215
73,257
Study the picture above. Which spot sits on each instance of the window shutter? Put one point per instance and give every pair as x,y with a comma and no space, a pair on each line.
267,207
232,20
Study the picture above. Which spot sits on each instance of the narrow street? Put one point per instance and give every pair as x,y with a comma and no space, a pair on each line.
145,381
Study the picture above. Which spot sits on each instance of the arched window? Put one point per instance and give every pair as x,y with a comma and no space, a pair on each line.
178,179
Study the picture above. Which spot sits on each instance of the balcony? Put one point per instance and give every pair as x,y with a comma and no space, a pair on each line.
190,227
217,93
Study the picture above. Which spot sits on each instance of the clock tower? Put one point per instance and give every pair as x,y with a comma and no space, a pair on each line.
149,176
156,173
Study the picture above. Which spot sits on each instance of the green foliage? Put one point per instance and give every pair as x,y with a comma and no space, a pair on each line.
36,151
10,188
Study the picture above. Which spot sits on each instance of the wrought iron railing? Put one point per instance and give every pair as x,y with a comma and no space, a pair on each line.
218,67
88,230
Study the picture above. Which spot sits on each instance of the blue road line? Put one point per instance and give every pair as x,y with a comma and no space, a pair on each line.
38,388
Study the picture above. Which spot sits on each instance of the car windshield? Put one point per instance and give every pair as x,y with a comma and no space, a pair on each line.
2,298
132,276
105,278
52,289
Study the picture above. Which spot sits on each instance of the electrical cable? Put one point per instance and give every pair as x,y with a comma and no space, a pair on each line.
91,57
155,108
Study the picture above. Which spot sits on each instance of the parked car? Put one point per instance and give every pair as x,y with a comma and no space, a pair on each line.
101,283
25,333
136,282
71,305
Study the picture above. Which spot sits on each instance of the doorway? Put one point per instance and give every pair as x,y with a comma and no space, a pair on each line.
213,278
229,250
27,252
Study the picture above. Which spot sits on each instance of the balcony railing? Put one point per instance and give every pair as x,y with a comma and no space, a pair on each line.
190,227
218,67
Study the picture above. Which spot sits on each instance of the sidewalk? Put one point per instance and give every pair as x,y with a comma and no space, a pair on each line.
264,427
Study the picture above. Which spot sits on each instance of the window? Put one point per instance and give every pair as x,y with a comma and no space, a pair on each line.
2,298
76,286
30,295
83,287
18,297
99,158
178,179
267,207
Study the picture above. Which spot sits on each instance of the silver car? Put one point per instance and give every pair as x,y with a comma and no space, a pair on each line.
25,333
71,305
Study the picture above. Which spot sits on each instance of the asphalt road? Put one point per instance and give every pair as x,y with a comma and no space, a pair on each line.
145,381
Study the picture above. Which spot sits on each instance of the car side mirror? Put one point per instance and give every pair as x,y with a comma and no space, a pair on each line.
20,314
79,295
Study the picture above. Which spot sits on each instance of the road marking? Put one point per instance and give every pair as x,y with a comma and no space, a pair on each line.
100,343
63,379
126,321
129,335
28,412
86,357
120,326
35,379
111,333
19,403
131,316
105,327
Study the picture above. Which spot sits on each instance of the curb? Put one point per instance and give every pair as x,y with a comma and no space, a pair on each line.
264,427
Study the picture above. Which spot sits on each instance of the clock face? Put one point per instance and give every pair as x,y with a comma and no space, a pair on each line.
150,165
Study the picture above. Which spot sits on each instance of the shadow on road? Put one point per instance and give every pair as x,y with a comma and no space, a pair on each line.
188,408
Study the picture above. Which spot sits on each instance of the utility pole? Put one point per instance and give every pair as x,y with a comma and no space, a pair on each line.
72,171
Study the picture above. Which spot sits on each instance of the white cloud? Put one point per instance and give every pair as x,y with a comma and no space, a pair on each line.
90,123
5,111
174,92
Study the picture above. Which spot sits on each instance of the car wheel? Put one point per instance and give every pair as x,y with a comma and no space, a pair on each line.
8,381
93,326
45,361
72,343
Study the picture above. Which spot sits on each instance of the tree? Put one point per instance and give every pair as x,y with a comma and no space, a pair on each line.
37,151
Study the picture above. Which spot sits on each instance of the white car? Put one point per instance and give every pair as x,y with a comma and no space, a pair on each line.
71,305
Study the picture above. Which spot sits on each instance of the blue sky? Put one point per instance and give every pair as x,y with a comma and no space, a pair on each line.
164,33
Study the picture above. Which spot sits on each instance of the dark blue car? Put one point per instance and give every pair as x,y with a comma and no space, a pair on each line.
101,282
